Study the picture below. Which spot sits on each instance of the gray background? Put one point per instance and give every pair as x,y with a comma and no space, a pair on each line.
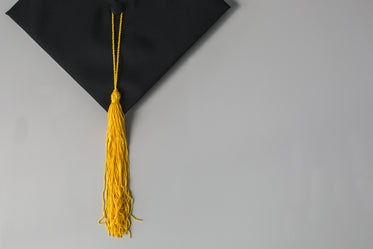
260,137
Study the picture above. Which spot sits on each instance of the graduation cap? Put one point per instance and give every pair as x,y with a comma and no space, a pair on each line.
130,42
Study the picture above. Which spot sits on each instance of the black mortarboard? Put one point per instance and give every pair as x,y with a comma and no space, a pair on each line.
77,34
88,38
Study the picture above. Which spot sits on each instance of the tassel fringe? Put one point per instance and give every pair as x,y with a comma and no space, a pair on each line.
118,202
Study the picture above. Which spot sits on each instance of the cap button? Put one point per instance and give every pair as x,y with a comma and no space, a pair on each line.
116,7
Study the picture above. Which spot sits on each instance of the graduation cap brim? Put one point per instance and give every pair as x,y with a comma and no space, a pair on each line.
77,35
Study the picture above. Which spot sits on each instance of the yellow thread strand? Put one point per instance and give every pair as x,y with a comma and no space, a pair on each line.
116,196
118,49
113,49
116,56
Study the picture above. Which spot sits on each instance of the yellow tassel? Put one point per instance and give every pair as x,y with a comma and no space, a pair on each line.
117,199
117,196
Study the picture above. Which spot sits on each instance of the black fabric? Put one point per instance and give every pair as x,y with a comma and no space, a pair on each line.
77,34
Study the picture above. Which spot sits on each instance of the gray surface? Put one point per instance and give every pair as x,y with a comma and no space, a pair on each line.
261,137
